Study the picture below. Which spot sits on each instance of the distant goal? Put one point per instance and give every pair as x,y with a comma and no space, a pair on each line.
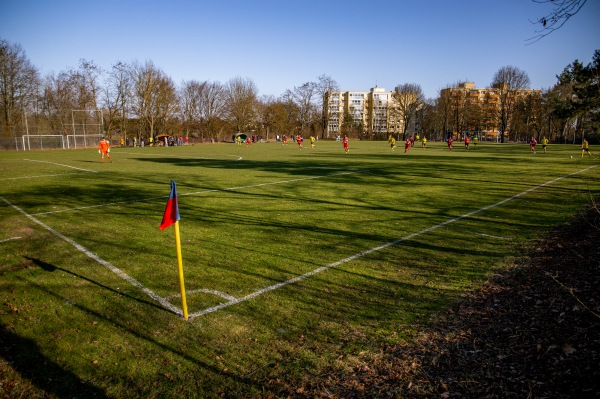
88,128
43,141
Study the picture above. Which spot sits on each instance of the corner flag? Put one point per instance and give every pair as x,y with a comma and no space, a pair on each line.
170,217
171,210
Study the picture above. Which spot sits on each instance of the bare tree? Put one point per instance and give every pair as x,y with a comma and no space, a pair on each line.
241,96
154,96
19,82
304,97
509,80
561,12
61,95
116,98
409,97
212,108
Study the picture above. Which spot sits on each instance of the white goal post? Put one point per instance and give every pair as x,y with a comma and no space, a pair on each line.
43,141
83,140
88,128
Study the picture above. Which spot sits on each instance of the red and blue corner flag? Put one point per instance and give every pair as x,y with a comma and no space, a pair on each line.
171,210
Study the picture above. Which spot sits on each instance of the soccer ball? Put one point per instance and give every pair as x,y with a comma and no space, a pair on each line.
571,156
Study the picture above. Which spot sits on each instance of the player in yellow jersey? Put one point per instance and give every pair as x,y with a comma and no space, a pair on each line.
544,143
104,149
585,147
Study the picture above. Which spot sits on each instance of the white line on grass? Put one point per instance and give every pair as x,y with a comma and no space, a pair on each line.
95,257
38,176
488,235
370,251
180,156
10,239
196,193
60,164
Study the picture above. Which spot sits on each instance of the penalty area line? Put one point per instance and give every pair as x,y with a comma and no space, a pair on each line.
110,266
60,164
372,250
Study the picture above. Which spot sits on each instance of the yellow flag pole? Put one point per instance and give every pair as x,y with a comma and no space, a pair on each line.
180,269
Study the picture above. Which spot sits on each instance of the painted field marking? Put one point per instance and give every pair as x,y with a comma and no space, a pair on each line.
38,176
11,239
372,250
238,158
60,164
233,301
95,257
213,190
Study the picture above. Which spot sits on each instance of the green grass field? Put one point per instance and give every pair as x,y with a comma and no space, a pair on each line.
296,262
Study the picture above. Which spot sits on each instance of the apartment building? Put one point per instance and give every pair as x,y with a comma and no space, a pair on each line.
482,120
372,115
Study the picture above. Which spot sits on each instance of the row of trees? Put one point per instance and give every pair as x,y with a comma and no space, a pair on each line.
564,113
140,100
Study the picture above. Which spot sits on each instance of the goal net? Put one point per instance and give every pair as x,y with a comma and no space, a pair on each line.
83,140
43,141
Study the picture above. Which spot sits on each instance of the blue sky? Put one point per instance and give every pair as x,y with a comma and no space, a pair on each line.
282,44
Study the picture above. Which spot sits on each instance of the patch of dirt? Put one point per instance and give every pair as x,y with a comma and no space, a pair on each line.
532,331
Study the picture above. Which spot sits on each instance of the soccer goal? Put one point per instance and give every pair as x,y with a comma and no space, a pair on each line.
88,128
43,141
83,140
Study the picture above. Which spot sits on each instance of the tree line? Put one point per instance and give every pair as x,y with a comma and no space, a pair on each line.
140,100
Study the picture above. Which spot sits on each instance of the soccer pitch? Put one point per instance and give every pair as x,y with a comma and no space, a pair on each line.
292,258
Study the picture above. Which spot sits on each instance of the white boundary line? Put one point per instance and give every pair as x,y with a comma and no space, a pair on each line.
38,176
233,301
369,251
95,257
239,158
11,239
490,236
60,164
213,190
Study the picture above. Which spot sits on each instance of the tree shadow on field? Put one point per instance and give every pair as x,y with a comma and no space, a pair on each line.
50,268
26,358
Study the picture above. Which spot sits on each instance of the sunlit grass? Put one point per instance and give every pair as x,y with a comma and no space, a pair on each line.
252,218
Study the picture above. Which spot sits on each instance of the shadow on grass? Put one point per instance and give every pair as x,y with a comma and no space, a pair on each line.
26,358
50,268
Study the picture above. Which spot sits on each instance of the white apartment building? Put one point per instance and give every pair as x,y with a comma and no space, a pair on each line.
370,114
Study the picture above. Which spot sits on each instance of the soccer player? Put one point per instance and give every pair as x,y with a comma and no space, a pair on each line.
532,144
467,141
424,142
312,141
585,147
393,143
450,143
544,143
104,149
299,140
407,145
345,141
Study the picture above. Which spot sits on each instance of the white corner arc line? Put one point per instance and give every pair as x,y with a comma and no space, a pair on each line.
376,249
11,239
95,257
60,164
